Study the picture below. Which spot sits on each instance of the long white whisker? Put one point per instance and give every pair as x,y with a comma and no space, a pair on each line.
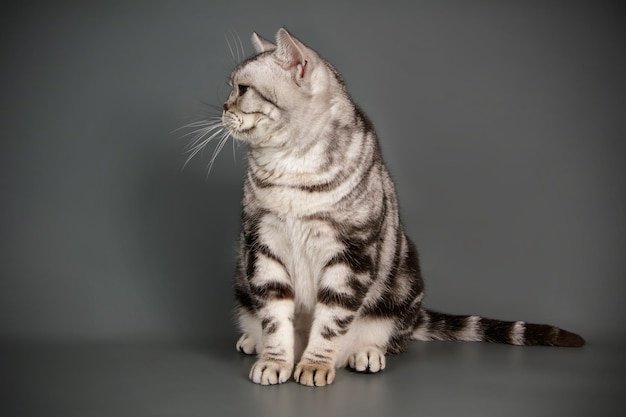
200,143
239,56
243,51
200,134
236,47
217,150
197,124
197,148
233,48
203,130
194,124
234,154
232,55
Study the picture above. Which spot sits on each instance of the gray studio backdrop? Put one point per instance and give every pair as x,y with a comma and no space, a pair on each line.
502,123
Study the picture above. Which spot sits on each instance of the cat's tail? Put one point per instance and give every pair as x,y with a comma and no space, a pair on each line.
432,325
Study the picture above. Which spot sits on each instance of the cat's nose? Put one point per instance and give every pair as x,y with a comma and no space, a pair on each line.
226,106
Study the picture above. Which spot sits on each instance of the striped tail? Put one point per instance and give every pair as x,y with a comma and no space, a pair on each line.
438,326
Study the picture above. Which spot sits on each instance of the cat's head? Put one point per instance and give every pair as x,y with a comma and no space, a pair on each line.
280,93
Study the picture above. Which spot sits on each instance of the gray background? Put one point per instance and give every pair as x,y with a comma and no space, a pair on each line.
502,123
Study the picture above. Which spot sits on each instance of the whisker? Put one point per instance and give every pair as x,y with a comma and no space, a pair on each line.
193,124
199,135
199,140
197,148
234,154
243,51
232,34
232,55
199,124
196,141
213,106
217,150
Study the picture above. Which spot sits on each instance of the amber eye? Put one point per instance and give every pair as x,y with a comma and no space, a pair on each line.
242,89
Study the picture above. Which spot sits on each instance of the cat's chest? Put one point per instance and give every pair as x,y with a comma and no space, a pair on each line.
304,247
291,201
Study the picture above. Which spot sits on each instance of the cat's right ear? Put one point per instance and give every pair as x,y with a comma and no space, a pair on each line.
261,44
292,53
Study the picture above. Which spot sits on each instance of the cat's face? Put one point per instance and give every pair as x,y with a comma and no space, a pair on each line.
279,93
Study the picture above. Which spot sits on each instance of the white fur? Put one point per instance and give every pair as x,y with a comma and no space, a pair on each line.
252,337
471,332
517,333
306,246
365,334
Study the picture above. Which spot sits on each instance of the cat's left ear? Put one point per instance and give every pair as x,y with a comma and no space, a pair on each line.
293,53
261,44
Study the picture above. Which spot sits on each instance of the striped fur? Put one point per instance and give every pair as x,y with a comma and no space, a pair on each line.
326,275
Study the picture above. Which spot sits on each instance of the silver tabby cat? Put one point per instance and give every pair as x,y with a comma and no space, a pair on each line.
326,275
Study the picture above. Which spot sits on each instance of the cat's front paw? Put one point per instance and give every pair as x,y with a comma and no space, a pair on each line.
370,360
269,372
314,374
246,345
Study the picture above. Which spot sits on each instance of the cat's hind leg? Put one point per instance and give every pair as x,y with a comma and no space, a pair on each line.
246,344
365,344
250,341
367,360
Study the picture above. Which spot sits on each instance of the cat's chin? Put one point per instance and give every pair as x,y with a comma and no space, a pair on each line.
256,141
252,136
245,136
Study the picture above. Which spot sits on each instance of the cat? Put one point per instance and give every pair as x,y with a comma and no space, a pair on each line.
326,276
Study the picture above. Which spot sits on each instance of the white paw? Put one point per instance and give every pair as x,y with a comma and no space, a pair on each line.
267,372
370,360
246,345
314,374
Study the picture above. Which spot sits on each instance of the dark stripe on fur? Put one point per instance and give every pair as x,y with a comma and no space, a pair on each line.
343,322
324,187
265,251
269,326
446,323
264,97
272,290
353,256
259,182
496,331
274,356
328,333
313,357
244,298
333,298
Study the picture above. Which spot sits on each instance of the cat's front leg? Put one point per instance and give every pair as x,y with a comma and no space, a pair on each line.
339,298
276,359
270,299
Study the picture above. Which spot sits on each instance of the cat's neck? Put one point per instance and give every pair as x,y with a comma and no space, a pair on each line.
303,146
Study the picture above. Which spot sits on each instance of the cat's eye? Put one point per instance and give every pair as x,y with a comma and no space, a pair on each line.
242,89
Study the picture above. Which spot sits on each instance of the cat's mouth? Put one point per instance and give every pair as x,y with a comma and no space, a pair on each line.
241,124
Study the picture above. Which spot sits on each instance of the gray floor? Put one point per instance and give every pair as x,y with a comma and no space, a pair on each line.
431,379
